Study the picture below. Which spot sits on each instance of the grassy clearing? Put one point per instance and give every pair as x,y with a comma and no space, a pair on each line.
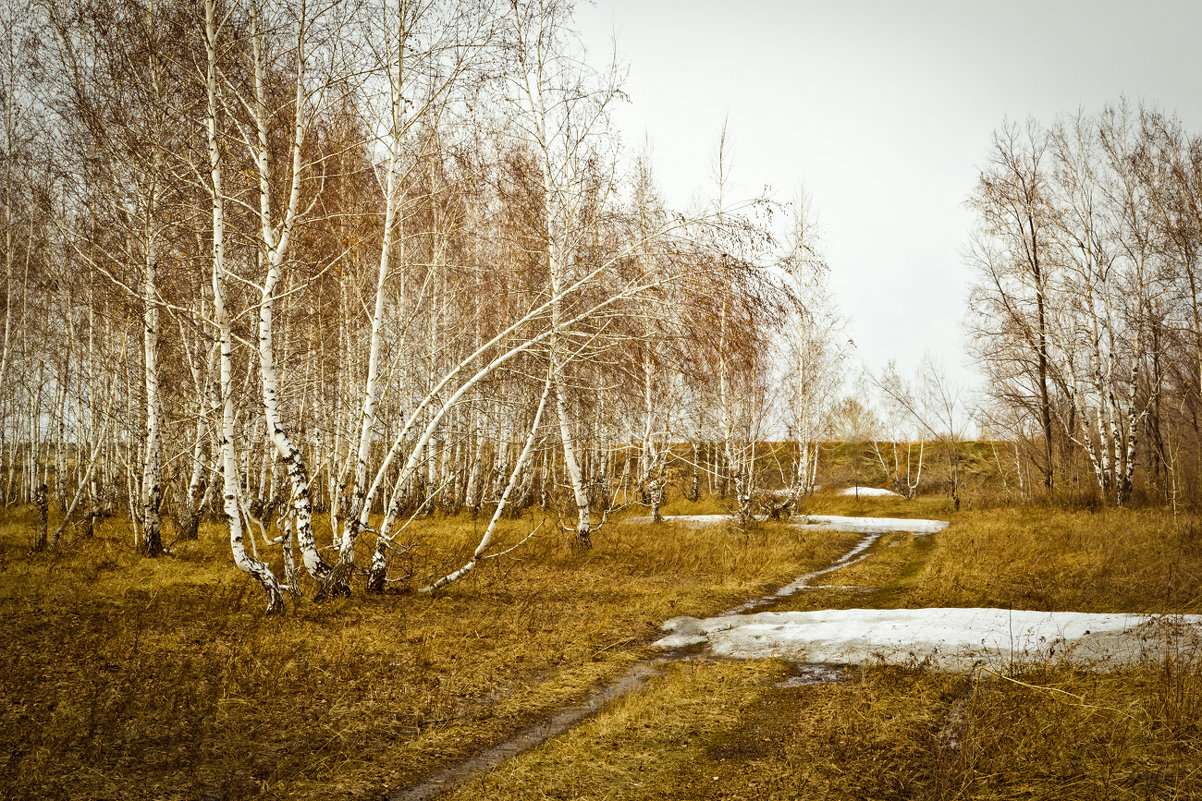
733,731
1112,560
925,507
648,745
726,731
130,678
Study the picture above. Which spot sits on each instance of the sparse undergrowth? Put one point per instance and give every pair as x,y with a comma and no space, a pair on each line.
125,677
131,678
1115,560
733,731
730,731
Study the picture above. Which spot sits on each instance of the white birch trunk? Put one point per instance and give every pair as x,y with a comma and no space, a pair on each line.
276,240
518,469
152,493
229,457
584,525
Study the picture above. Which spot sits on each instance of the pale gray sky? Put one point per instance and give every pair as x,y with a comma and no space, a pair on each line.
884,111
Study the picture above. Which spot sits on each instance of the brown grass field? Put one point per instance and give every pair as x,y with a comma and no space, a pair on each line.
130,678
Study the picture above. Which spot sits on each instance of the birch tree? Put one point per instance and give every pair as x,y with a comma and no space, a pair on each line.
814,351
361,260
422,52
305,45
116,62
230,471
1013,200
564,111
1079,258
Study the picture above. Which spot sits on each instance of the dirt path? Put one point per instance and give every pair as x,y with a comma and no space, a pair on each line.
634,678
948,639
446,780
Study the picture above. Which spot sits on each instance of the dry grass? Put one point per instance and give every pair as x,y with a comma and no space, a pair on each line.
730,731
130,678
648,745
1115,560
883,735
935,507
1111,560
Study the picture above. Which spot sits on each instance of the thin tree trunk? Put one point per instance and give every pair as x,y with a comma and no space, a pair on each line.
259,570
518,469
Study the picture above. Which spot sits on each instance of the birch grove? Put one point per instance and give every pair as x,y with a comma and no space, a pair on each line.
1084,310
315,270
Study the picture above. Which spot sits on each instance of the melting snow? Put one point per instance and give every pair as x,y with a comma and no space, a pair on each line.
870,525
868,492
686,520
951,639
944,638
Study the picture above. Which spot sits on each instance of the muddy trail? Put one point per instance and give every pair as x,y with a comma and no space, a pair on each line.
639,674
828,645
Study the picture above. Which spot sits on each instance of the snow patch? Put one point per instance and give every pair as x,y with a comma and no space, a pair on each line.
870,525
810,675
869,492
950,639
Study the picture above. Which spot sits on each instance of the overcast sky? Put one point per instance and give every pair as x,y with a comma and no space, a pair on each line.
883,110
